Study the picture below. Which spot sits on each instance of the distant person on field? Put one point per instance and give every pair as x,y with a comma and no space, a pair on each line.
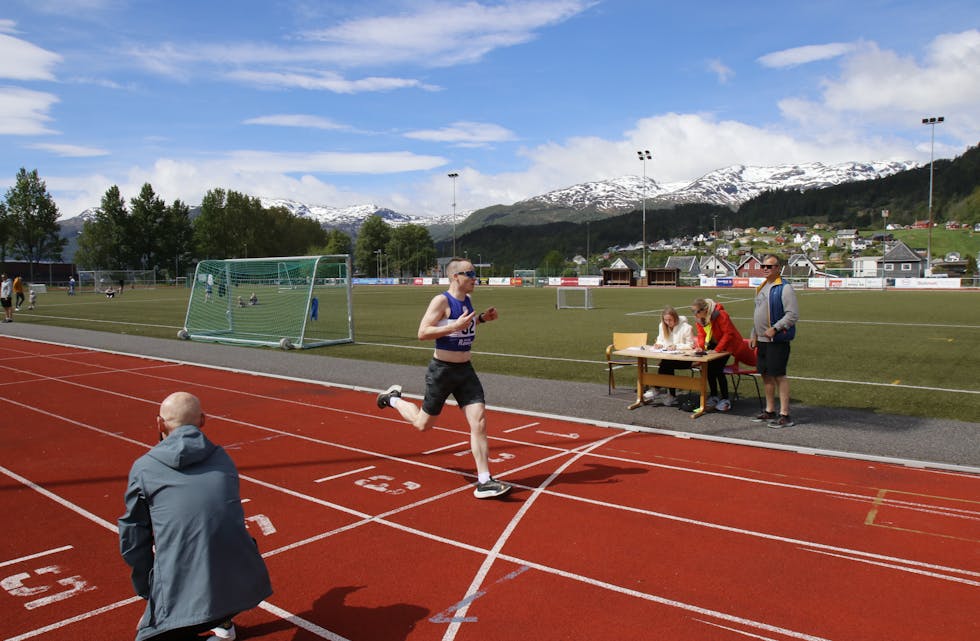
32,299
183,533
314,308
18,293
451,321
773,327
253,299
6,296
207,291
675,333
122,285
71,286
717,333
110,293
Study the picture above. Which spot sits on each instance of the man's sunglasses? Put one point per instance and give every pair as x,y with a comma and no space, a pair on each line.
469,274
767,266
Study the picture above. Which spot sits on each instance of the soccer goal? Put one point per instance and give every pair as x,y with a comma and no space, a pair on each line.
574,298
99,280
528,277
287,302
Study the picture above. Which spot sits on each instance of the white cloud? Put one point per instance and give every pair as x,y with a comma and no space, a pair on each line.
443,33
24,112
21,60
436,34
296,120
324,80
7,26
465,134
803,55
885,88
721,70
69,151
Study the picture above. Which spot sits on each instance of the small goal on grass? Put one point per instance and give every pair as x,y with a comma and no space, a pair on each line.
574,298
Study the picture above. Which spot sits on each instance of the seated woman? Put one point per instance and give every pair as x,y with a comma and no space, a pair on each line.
110,293
675,334
253,299
717,333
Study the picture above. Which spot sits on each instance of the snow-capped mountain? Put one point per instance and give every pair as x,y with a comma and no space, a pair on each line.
730,187
738,184
342,216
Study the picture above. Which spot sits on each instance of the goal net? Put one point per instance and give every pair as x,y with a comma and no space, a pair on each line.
528,277
299,301
574,298
99,280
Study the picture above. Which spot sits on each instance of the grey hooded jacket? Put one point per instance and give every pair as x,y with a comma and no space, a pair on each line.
184,536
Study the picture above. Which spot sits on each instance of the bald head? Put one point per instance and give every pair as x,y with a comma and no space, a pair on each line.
180,408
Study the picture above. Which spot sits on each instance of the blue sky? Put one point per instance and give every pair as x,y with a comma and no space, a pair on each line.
342,103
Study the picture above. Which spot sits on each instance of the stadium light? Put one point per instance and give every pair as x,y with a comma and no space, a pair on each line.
644,157
453,175
932,122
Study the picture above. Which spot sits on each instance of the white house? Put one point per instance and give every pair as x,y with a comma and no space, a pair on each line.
865,266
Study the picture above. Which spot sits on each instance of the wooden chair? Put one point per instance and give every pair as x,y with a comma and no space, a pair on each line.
736,371
622,340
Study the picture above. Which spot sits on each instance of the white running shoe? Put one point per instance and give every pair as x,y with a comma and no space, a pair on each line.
669,400
711,402
225,631
723,405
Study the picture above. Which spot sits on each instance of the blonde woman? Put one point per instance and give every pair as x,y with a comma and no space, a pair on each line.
675,334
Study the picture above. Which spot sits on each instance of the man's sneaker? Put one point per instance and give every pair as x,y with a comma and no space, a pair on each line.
765,416
723,405
225,631
650,395
384,398
669,400
783,421
491,489
711,402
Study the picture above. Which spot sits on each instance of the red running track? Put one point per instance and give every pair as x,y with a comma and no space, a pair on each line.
371,532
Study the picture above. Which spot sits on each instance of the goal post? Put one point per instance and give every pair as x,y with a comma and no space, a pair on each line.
297,301
574,298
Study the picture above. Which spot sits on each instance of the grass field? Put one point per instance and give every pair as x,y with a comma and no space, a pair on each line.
904,352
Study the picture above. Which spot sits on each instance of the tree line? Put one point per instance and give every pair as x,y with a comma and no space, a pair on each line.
146,233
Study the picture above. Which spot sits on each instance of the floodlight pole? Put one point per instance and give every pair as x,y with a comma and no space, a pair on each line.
588,238
453,175
932,122
644,157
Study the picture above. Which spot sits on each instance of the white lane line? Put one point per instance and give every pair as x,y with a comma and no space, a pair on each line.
74,619
522,427
98,520
934,575
474,589
337,476
446,447
35,556
300,622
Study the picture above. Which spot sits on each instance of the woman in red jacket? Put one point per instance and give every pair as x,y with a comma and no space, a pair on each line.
717,333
